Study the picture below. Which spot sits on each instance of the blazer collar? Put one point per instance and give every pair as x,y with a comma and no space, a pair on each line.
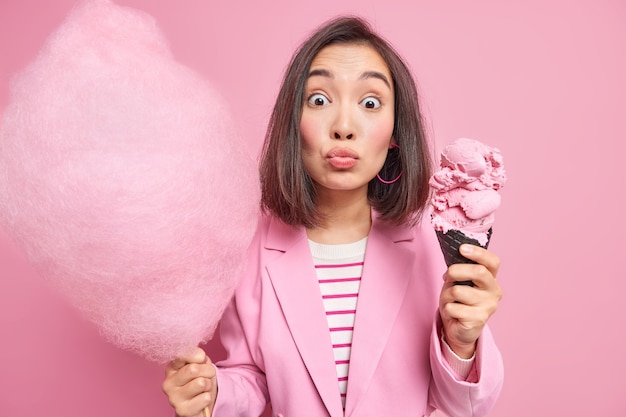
386,274
383,286
295,282
281,236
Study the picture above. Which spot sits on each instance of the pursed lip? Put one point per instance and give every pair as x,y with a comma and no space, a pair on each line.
342,158
342,153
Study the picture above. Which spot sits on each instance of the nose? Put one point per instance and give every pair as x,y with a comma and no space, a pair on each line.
343,125
338,135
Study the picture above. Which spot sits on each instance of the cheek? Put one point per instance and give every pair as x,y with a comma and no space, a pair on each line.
380,132
380,137
309,129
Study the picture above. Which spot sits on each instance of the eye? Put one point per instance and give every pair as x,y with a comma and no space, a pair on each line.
370,103
318,100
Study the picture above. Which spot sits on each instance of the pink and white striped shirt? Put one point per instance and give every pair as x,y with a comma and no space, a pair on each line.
339,269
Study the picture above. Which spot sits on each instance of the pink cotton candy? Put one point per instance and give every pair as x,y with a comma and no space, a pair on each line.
125,181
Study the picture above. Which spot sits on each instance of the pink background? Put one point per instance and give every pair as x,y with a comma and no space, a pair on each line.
542,80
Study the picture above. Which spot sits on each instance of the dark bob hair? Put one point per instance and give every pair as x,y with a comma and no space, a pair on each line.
288,192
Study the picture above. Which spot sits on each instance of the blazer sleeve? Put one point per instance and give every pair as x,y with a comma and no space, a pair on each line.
242,386
455,397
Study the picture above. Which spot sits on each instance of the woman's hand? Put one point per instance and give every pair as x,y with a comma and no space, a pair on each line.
466,309
191,384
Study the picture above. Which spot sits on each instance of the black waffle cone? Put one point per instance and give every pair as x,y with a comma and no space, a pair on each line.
452,240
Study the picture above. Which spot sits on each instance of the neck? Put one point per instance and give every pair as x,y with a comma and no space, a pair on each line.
347,218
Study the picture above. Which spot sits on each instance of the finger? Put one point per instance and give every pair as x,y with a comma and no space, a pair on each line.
468,305
195,405
456,311
178,381
485,287
191,372
469,317
478,274
181,396
200,392
196,356
482,256
459,274
460,294
197,386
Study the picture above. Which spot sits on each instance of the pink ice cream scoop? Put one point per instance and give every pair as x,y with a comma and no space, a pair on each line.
466,189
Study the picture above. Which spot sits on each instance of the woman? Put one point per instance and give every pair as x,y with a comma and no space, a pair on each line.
342,310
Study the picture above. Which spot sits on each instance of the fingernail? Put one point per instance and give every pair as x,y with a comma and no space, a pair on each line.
467,249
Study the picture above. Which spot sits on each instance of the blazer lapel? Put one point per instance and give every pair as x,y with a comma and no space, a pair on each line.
295,283
383,286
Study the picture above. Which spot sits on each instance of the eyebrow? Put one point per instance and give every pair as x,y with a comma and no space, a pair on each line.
364,76
375,74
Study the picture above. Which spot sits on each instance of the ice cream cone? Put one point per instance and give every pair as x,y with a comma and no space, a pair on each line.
452,240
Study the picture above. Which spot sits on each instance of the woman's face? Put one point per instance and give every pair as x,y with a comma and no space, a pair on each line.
347,118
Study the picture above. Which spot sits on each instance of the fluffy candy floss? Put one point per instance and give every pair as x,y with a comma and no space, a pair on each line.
125,181
466,188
